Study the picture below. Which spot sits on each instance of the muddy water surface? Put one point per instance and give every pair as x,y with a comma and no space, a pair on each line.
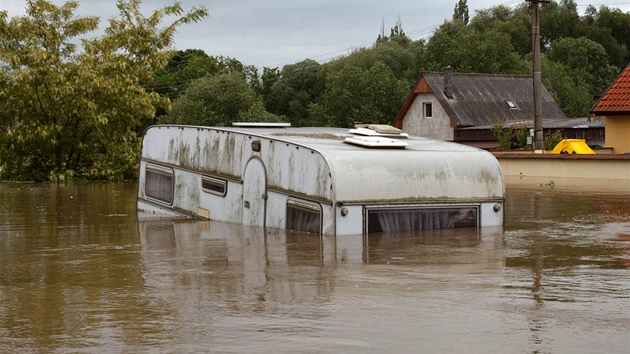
79,273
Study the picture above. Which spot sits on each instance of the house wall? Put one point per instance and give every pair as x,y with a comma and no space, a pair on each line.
618,133
570,172
438,127
551,167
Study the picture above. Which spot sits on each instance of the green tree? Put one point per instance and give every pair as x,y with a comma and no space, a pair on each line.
268,78
404,57
218,100
558,20
184,66
354,95
586,60
570,91
461,11
468,50
68,113
294,90
188,65
516,23
611,29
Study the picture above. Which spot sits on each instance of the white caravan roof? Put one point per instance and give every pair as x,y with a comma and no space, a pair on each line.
425,169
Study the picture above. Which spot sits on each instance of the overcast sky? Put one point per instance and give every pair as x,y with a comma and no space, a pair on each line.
273,33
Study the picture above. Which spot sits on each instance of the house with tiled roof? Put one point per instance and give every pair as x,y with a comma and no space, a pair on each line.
614,107
464,107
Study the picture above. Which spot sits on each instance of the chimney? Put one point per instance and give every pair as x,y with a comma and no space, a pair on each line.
448,71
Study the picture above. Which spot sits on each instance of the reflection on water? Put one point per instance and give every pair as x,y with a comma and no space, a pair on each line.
80,273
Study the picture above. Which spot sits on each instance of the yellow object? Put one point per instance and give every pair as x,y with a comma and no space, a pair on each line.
572,146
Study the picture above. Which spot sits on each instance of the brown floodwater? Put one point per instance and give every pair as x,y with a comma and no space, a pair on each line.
80,274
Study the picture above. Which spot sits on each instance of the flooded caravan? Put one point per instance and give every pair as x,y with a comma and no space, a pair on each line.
326,181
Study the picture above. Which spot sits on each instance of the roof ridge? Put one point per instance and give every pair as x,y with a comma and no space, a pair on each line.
477,74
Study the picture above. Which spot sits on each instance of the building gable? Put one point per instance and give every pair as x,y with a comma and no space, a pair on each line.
482,99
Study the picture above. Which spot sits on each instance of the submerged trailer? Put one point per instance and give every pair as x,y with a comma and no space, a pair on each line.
326,181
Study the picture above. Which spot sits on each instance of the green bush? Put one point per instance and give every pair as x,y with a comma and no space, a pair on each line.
552,139
504,135
521,132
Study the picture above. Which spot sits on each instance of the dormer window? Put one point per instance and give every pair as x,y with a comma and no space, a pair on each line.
511,104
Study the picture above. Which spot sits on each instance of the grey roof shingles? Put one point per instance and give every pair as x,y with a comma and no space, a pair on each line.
480,99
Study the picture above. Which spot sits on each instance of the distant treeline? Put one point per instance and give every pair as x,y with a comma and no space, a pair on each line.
582,55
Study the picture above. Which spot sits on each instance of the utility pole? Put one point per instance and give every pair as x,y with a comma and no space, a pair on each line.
539,143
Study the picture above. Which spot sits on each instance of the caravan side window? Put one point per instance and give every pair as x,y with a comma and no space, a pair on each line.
395,219
214,185
159,183
304,216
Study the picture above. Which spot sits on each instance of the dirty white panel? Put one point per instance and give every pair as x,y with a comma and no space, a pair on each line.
492,214
227,208
254,193
428,176
352,222
276,210
186,194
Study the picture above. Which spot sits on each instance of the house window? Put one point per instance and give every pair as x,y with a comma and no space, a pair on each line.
303,216
427,110
159,183
395,219
214,185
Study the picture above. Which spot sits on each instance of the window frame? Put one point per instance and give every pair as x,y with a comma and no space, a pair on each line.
427,110
368,211
511,104
215,181
162,171
304,206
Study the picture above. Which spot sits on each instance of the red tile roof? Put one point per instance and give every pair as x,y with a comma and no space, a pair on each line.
616,100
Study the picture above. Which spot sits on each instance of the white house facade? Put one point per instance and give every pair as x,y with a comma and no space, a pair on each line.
426,117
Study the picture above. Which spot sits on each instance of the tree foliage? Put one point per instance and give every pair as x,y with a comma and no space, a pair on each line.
218,100
461,12
571,92
468,50
558,20
584,59
611,29
185,66
69,113
403,56
367,96
515,23
294,90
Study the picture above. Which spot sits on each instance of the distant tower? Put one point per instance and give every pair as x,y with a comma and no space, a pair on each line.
383,27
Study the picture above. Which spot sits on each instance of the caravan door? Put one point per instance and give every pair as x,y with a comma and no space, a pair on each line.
254,193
